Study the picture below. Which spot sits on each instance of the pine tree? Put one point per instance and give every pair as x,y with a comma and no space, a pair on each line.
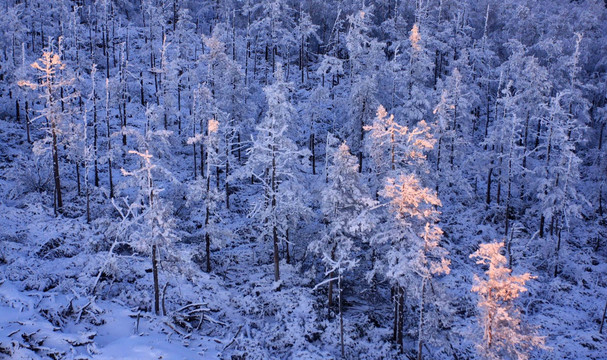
274,161
365,60
51,82
409,238
154,227
345,208
504,335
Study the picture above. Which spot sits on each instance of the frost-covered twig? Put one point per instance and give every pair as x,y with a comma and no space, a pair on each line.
233,339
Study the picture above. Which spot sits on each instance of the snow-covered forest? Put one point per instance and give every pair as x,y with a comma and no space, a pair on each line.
303,179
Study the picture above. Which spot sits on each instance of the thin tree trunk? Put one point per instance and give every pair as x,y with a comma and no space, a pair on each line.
207,240
341,315
239,148
603,318
488,197
56,167
96,161
362,138
27,122
194,152
421,320
155,274
276,263
201,159
401,318
141,88
313,156
88,205
17,111
542,222
78,177
331,276
558,247
287,245
109,138
227,188
207,237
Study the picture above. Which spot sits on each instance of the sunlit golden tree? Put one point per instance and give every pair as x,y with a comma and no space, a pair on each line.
504,335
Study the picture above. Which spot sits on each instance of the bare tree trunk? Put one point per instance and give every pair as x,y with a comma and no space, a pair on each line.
208,250
141,88
155,273
207,237
421,320
194,152
27,122
88,206
96,161
401,318
394,294
341,316
440,141
287,244
227,188
362,138
201,159
17,111
488,197
56,167
276,263
78,177
239,149
109,138
313,156
542,221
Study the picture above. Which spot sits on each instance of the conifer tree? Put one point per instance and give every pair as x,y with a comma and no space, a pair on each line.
51,81
153,227
504,335
274,161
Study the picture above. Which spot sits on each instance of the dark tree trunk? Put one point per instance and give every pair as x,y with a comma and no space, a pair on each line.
78,177
341,317
488,197
56,167
401,319
542,222
276,263
313,156
207,237
155,274
287,246
109,141
141,88
27,122
227,184
96,162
